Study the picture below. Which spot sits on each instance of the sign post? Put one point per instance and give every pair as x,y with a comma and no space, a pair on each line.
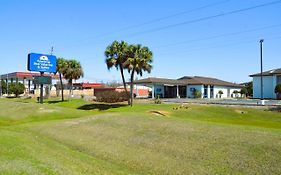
41,63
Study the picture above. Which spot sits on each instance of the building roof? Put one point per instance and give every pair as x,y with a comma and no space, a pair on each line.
154,80
25,75
191,80
268,73
207,81
89,85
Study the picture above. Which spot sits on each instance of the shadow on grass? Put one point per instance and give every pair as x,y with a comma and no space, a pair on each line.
275,109
55,101
100,107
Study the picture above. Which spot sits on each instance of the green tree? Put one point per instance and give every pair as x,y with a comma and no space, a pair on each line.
220,93
244,91
235,92
16,88
4,87
277,90
61,68
73,71
139,60
249,88
116,55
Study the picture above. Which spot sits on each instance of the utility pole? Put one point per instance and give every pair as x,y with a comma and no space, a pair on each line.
7,85
52,50
261,61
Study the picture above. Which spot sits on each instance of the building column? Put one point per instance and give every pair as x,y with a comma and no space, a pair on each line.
137,91
178,96
28,86
153,93
7,85
208,91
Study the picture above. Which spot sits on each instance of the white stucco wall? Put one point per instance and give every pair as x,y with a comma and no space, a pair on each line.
269,83
227,92
220,88
189,92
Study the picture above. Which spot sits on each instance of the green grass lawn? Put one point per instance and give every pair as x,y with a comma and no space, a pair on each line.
78,137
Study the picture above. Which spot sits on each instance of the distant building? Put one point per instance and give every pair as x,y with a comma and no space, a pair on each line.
185,87
270,79
25,78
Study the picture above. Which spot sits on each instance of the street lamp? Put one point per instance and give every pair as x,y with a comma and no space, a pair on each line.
261,54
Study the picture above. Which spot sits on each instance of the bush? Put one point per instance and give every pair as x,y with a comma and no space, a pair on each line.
244,91
112,97
196,94
16,88
278,89
157,100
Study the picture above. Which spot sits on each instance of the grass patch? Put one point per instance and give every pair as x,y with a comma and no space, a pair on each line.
79,137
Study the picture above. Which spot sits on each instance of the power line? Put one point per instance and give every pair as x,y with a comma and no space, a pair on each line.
248,41
207,18
163,18
222,35
174,15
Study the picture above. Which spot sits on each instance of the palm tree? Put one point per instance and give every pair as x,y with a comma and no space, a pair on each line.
116,56
61,64
139,60
73,71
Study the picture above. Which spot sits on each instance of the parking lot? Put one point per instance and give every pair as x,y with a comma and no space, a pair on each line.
240,102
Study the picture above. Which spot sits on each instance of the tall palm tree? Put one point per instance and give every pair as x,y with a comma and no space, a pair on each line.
61,64
139,61
116,56
73,71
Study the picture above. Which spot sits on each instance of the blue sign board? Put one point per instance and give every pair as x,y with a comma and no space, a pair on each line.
42,63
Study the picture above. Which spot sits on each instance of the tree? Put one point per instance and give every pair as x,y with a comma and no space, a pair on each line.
139,60
220,93
4,87
244,91
277,90
16,88
249,87
61,68
116,55
235,92
73,71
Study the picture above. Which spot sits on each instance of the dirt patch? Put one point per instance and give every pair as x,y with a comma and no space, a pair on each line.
240,111
159,113
43,110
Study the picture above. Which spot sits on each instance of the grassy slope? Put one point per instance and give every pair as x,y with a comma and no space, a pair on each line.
200,140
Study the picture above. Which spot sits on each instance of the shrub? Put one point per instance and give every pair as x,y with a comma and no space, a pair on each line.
196,94
244,91
16,88
157,100
112,97
278,89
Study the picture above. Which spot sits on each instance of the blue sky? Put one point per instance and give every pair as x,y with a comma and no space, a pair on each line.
185,36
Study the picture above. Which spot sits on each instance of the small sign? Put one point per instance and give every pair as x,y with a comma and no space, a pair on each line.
42,63
42,80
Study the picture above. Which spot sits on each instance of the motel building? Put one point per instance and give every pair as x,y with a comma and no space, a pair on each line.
26,78
184,87
54,90
271,78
